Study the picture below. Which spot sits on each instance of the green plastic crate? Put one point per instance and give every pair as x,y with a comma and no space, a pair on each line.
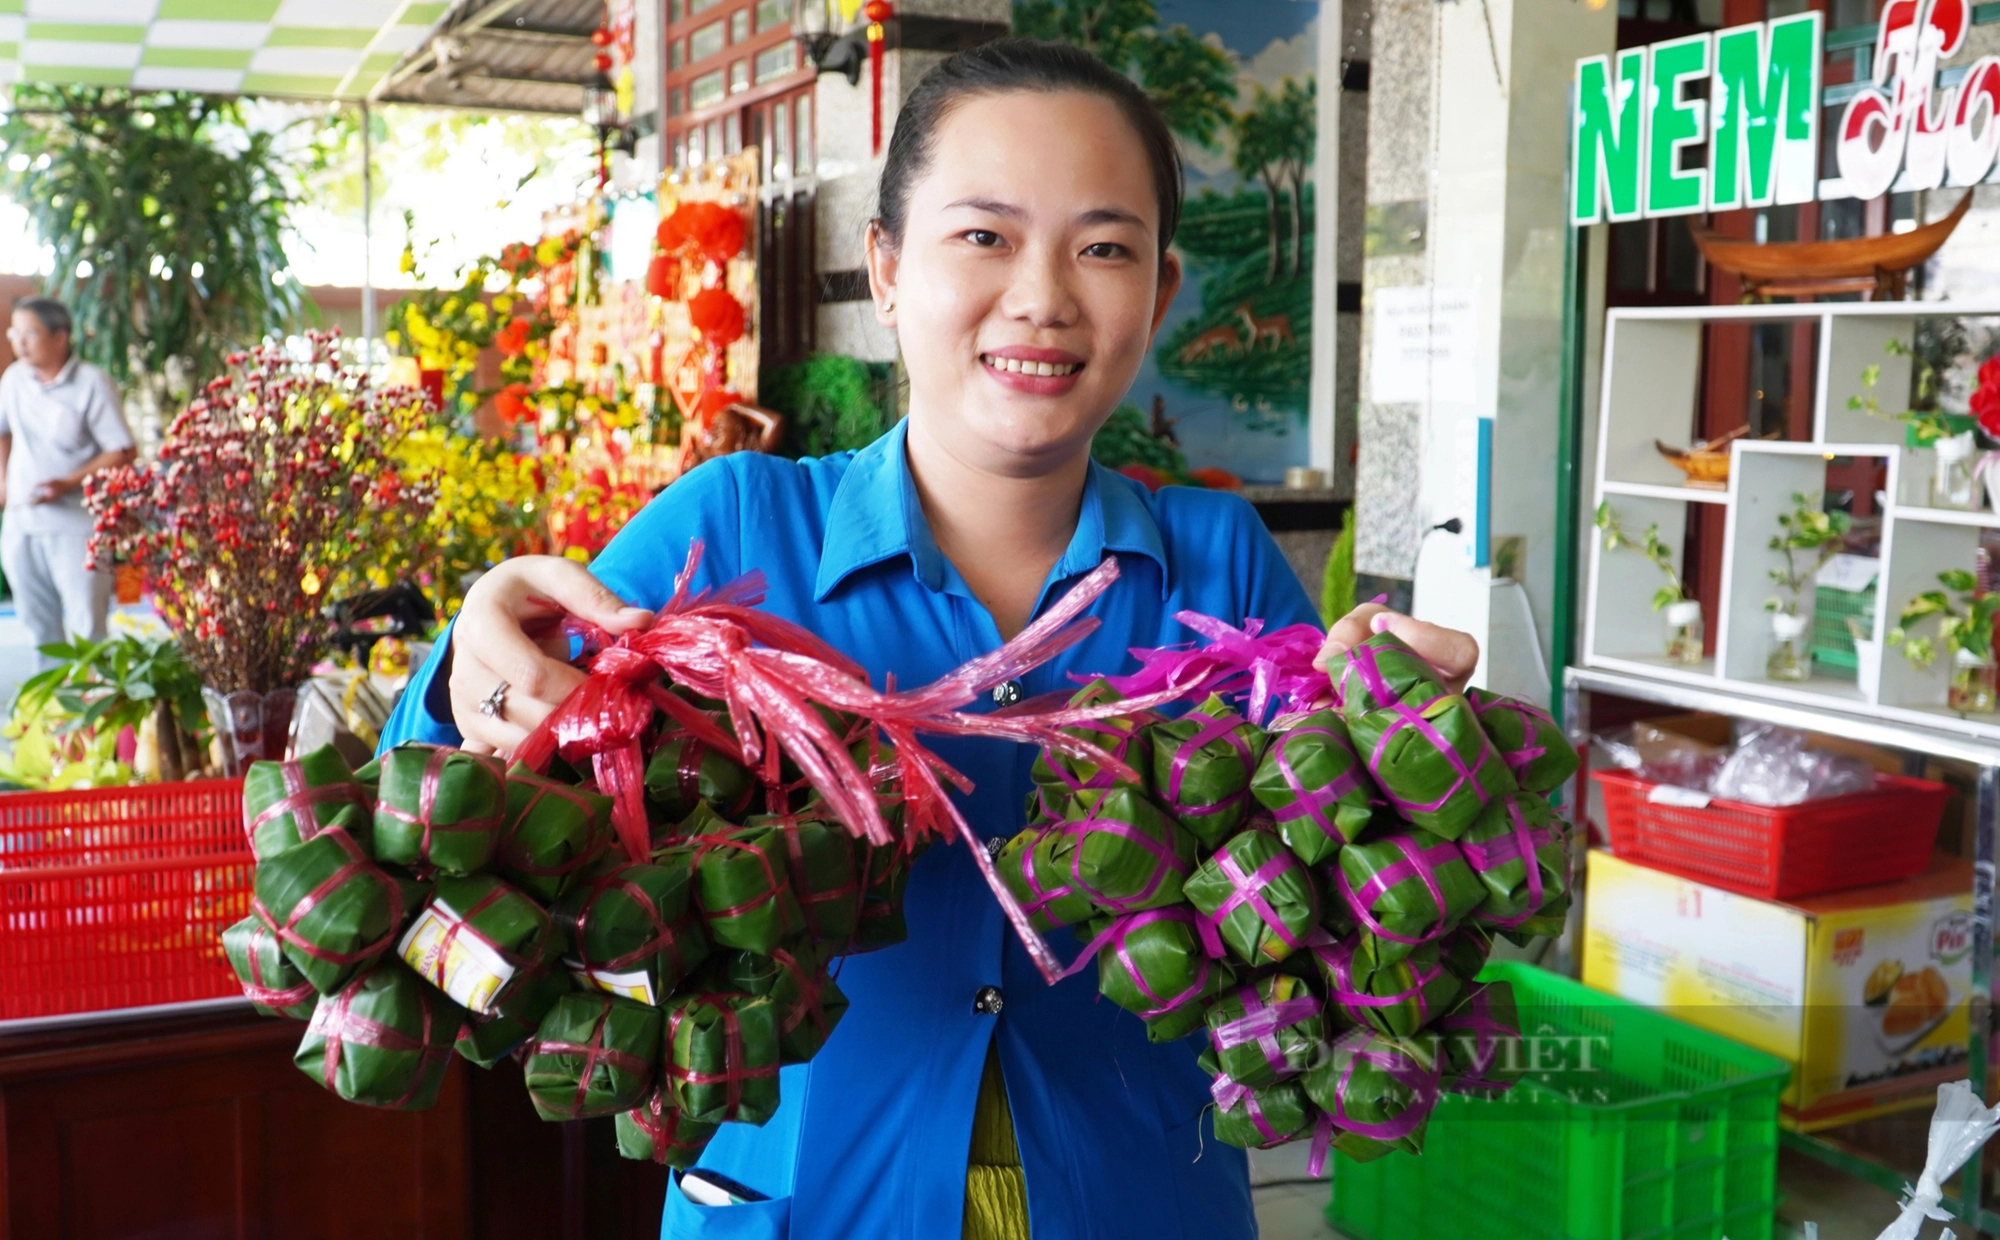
1650,1129
1832,643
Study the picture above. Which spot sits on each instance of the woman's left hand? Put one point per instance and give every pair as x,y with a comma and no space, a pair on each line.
1452,653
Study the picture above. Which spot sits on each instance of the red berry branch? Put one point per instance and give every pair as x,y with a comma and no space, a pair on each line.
278,474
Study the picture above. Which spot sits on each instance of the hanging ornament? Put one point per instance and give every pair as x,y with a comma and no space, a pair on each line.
600,37
877,12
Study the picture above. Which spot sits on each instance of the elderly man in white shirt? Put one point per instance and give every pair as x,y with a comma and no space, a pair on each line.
60,422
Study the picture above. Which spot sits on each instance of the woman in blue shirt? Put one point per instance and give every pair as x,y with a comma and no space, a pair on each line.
1027,202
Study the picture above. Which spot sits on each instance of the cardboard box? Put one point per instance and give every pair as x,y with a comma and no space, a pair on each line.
1862,991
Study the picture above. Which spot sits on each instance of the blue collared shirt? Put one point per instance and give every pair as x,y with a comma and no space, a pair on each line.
873,1135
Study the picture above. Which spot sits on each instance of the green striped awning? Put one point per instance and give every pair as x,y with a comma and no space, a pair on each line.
314,48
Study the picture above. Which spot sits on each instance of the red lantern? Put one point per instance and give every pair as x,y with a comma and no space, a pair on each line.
717,316
663,276
600,37
877,12
601,62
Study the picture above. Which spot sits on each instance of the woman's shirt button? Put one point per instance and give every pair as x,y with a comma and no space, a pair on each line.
988,1001
1007,692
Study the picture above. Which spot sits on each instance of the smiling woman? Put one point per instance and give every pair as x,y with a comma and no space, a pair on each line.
1028,200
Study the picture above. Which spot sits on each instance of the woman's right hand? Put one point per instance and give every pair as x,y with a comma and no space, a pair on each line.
511,629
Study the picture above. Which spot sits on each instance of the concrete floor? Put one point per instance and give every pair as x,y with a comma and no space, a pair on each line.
1844,1209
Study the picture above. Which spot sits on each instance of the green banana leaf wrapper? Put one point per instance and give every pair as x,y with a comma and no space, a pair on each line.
1202,764
594,1054
1027,866
702,820
486,1040
439,808
1060,776
331,907
1158,966
553,832
885,872
1397,998
1546,924
655,1131
1378,1091
1258,895
820,863
1267,1031
1423,744
477,939
723,1056
1528,740
1118,849
271,982
632,929
1262,1118
287,803
686,771
809,1002
384,1040
1520,851
1478,1043
1405,889
1315,787
742,887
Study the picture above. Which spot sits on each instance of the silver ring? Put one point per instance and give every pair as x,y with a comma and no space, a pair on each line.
495,702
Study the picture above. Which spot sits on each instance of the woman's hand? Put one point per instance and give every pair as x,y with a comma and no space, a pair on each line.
511,630
1452,653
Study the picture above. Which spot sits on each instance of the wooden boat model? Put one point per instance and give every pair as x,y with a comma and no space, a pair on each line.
1706,464
1878,267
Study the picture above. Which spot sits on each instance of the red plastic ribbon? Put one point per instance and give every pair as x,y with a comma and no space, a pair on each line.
664,938
255,988
1419,865
512,855
1271,670
427,792
594,1052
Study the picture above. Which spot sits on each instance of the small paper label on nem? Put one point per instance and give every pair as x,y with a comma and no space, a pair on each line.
633,985
463,965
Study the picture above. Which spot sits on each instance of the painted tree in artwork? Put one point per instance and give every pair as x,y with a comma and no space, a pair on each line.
1192,80
1274,144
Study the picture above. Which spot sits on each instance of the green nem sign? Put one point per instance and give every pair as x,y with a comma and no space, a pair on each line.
1709,122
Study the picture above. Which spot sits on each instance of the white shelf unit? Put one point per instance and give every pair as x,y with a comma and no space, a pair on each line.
1651,390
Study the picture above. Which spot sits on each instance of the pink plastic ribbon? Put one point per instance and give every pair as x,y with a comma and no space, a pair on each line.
1522,843
1418,865
1273,670
1260,1023
1249,889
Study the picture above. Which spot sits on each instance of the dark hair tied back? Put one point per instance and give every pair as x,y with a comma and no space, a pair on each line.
1007,65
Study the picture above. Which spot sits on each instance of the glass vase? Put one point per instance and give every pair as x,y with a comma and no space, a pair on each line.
1955,483
249,726
1791,652
1972,689
1683,633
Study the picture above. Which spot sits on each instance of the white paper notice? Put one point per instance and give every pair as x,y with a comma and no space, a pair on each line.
1853,573
1422,349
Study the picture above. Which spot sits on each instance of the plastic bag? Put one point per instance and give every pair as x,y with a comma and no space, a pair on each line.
1775,766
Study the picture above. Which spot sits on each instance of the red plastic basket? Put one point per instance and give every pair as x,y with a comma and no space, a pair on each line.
117,897
1779,852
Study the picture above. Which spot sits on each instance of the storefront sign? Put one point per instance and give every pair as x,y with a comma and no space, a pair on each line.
1636,114
1750,96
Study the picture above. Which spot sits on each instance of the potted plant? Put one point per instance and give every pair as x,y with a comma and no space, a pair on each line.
1684,636
1809,529
282,473
143,685
1965,628
1952,437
